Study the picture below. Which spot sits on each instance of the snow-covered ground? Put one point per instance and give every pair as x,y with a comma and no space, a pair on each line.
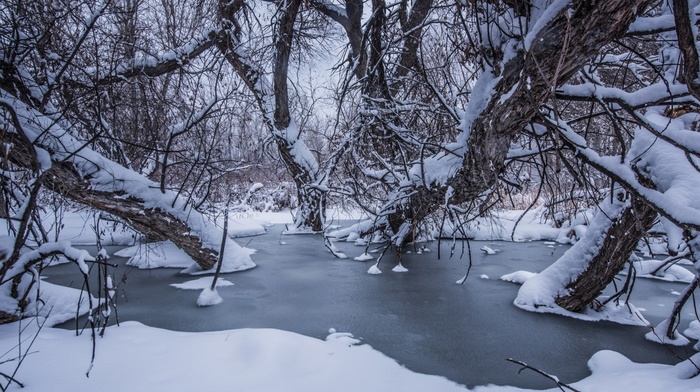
136,357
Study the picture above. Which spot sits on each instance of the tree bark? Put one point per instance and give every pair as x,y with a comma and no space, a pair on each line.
351,21
686,42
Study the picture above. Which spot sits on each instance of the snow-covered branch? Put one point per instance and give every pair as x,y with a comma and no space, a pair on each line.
89,178
160,64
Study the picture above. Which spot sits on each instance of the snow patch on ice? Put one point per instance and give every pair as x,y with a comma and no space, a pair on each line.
658,335
488,250
201,283
58,303
518,277
670,273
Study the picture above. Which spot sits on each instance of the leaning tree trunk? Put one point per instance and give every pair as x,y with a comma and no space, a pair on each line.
523,85
64,178
155,224
618,244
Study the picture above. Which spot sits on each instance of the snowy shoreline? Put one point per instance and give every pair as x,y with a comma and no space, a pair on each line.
259,359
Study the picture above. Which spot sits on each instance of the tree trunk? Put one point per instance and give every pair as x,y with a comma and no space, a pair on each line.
273,101
619,243
311,213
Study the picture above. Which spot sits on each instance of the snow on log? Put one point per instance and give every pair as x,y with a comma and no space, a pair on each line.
78,172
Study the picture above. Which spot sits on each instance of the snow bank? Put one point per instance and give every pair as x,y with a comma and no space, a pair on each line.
539,292
59,303
500,227
250,360
165,254
256,360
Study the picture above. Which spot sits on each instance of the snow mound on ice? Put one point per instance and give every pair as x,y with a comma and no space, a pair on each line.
518,277
209,297
364,257
374,270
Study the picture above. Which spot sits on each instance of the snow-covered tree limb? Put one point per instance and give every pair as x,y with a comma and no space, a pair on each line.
512,92
76,171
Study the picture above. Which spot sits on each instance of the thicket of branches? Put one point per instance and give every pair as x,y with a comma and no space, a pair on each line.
419,112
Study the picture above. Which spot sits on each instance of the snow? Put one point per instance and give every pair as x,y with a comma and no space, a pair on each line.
351,233
518,277
374,270
364,257
209,297
671,273
488,250
693,330
658,335
151,255
511,225
242,360
254,360
547,15
59,303
614,372
201,283
399,268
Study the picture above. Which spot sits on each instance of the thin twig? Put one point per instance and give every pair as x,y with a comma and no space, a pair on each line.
560,384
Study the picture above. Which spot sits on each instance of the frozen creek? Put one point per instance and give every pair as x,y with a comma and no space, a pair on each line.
421,318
